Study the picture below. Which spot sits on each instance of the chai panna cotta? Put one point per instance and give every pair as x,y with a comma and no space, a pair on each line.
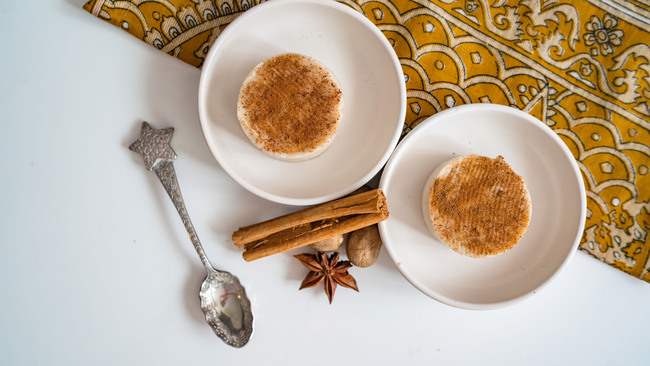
290,107
476,205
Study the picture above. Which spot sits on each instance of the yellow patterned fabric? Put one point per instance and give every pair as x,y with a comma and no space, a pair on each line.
580,66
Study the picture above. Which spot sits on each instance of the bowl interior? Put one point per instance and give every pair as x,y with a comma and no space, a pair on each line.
534,152
373,95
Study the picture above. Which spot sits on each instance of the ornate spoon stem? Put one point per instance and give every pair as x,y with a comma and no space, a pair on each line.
167,175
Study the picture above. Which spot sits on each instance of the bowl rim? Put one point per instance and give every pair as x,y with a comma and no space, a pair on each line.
214,49
438,118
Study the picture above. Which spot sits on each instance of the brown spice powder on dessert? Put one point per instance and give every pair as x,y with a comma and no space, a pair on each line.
479,206
291,104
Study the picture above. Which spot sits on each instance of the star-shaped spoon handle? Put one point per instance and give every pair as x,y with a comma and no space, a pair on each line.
158,156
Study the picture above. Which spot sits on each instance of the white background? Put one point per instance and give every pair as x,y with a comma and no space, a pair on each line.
96,268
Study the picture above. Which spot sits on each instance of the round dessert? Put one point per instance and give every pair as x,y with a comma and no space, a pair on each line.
290,107
476,205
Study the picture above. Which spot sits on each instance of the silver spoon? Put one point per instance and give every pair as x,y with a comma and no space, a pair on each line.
223,299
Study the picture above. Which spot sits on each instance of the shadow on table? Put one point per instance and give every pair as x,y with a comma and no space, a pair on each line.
191,292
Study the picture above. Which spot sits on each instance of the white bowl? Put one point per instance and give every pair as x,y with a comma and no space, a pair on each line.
533,151
371,80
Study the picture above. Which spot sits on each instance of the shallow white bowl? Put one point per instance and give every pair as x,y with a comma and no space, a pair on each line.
372,83
557,193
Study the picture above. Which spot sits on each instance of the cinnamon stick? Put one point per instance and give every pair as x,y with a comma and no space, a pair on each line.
365,203
353,223
291,233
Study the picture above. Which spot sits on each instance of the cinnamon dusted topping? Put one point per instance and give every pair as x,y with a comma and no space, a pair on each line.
290,104
480,206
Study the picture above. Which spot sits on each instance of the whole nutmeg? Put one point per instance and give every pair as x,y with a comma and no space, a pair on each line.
364,246
328,245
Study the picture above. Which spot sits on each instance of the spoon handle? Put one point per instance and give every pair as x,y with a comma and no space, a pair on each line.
167,175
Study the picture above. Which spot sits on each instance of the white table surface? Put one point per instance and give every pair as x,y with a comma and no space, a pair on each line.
96,268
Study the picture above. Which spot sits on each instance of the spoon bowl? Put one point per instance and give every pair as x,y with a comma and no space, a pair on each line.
226,307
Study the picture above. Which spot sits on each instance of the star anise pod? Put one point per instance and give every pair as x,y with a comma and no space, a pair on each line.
331,270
